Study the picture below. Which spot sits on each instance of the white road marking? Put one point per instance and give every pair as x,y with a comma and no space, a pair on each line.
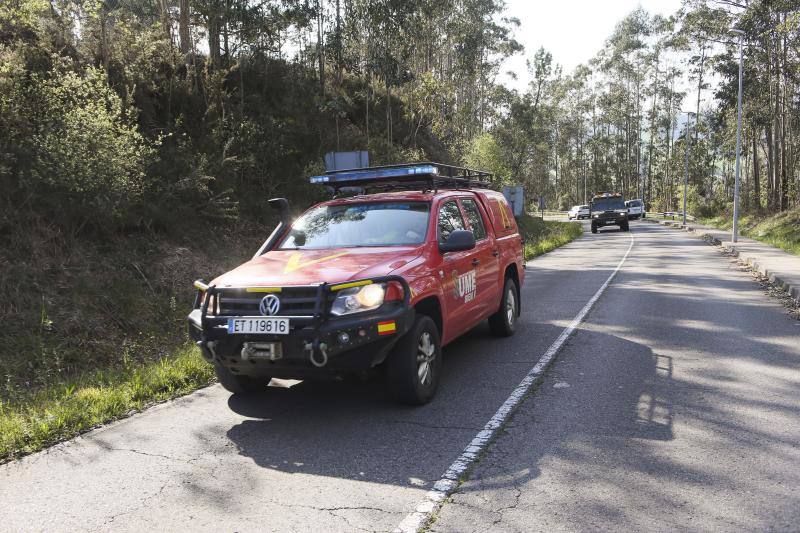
434,498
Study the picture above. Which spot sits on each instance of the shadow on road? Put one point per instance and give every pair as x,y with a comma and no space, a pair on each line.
350,430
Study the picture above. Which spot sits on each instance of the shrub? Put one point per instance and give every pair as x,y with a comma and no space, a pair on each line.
78,148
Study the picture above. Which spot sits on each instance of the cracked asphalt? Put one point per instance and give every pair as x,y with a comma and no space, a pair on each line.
675,405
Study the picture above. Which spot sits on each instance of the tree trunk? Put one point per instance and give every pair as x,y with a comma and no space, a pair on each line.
320,47
104,56
166,24
338,43
225,44
183,27
213,33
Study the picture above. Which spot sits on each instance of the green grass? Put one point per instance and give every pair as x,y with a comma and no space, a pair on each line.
62,411
781,230
94,330
541,236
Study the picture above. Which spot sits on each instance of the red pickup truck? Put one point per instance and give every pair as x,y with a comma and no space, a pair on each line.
382,279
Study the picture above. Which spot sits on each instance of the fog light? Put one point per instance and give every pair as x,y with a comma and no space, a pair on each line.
362,333
344,338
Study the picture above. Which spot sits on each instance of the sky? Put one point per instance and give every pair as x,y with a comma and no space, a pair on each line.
572,30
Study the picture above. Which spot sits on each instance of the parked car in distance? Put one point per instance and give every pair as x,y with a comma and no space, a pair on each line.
635,209
380,280
578,212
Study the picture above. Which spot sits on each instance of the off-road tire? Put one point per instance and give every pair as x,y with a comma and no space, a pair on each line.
625,226
594,228
242,385
504,322
407,379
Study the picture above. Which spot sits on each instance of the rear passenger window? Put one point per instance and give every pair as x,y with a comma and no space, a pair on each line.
474,218
450,220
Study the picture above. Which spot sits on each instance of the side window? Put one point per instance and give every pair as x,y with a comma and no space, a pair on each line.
474,218
450,220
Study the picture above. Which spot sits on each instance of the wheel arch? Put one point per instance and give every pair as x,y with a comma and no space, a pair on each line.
432,307
512,272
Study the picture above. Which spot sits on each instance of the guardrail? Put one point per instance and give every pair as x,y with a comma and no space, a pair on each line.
673,214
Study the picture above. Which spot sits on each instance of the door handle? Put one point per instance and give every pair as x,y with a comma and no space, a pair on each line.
476,262
495,253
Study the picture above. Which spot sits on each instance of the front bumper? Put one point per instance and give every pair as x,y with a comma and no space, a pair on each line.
321,345
610,221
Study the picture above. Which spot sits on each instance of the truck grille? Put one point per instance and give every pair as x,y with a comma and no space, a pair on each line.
295,301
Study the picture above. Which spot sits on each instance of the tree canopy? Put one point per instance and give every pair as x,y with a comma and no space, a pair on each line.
120,115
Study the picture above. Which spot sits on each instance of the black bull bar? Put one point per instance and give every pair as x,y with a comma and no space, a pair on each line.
312,324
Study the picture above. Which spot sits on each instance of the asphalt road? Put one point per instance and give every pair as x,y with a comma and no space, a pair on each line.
674,406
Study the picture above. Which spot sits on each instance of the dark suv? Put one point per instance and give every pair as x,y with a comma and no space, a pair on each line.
608,209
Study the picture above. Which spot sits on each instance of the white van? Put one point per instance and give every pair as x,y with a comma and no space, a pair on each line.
635,209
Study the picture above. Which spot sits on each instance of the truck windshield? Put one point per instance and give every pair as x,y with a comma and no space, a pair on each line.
367,224
608,204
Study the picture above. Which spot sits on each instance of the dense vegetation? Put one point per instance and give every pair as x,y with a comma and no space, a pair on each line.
140,138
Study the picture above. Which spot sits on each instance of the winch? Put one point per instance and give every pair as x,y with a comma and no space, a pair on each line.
262,350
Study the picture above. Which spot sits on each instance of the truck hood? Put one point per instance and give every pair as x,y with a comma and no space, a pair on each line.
310,267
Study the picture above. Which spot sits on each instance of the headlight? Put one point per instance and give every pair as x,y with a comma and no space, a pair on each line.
596,215
358,299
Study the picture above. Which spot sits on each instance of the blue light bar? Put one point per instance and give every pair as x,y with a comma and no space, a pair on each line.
381,174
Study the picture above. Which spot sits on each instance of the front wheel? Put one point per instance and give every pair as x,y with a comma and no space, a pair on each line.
624,226
504,322
415,364
594,228
240,384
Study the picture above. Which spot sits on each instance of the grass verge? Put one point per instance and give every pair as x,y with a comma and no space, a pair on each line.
781,230
541,236
94,330
62,411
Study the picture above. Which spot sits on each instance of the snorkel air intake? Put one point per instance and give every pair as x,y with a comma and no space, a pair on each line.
282,206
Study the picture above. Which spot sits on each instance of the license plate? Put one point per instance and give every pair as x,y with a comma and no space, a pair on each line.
268,326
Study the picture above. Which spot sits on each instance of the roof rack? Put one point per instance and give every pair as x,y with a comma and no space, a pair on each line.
606,194
407,176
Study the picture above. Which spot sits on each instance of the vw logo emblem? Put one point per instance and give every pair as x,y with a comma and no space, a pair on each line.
270,305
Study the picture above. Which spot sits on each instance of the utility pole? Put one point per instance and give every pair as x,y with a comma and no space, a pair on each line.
735,231
686,172
584,186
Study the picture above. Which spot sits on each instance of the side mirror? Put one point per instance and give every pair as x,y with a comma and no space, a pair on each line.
458,241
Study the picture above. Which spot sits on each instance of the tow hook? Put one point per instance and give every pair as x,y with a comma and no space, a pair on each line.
208,350
320,361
